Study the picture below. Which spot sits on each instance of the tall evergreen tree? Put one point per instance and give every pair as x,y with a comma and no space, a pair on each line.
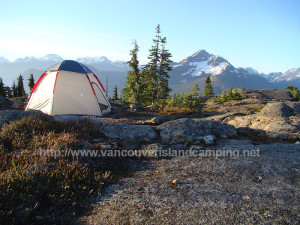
2,91
163,76
14,90
132,90
20,87
155,73
115,96
30,82
208,90
151,76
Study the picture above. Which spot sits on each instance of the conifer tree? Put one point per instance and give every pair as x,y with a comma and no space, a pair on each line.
155,73
115,96
14,90
30,82
208,90
132,90
163,76
20,87
191,100
151,70
2,91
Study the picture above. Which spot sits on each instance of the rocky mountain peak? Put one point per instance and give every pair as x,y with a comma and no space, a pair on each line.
199,56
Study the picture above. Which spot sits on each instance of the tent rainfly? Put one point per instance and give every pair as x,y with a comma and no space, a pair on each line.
69,87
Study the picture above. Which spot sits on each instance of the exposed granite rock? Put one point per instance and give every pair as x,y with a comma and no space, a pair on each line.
129,135
193,130
280,120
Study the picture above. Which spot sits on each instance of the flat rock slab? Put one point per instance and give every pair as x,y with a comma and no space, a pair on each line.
192,130
128,132
196,190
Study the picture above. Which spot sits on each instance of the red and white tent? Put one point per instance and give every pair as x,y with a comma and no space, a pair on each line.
69,87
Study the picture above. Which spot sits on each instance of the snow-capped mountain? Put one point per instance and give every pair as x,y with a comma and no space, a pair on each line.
201,63
48,58
190,70
290,75
93,60
2,59
102,66
104,63
52,57
195,69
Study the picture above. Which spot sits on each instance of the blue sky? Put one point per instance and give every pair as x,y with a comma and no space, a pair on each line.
262,34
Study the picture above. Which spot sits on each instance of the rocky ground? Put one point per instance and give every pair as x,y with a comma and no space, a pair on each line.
199,190
260,188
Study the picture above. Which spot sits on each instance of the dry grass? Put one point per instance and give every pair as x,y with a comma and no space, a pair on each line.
175,111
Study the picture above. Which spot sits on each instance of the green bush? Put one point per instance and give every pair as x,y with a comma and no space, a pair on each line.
227,96
189,101
294,92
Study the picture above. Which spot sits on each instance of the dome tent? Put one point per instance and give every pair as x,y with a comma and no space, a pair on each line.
69,87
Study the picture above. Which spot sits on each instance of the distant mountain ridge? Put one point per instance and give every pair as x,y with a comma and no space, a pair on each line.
195,69
192,69
102,66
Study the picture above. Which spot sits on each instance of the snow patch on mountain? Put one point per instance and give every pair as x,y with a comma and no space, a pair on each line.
93,60
251,70
102,60
3,60
203,67
25,59
52,57
48,58
289,75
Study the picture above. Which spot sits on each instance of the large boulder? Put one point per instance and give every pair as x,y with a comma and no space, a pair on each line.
194,130
280,110
265,94
129,135
18,104
275,118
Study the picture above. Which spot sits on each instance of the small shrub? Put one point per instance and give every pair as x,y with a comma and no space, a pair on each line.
85,128
294,92
31,184
188,101
227,96
35,188
19,134
175,110
43,131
